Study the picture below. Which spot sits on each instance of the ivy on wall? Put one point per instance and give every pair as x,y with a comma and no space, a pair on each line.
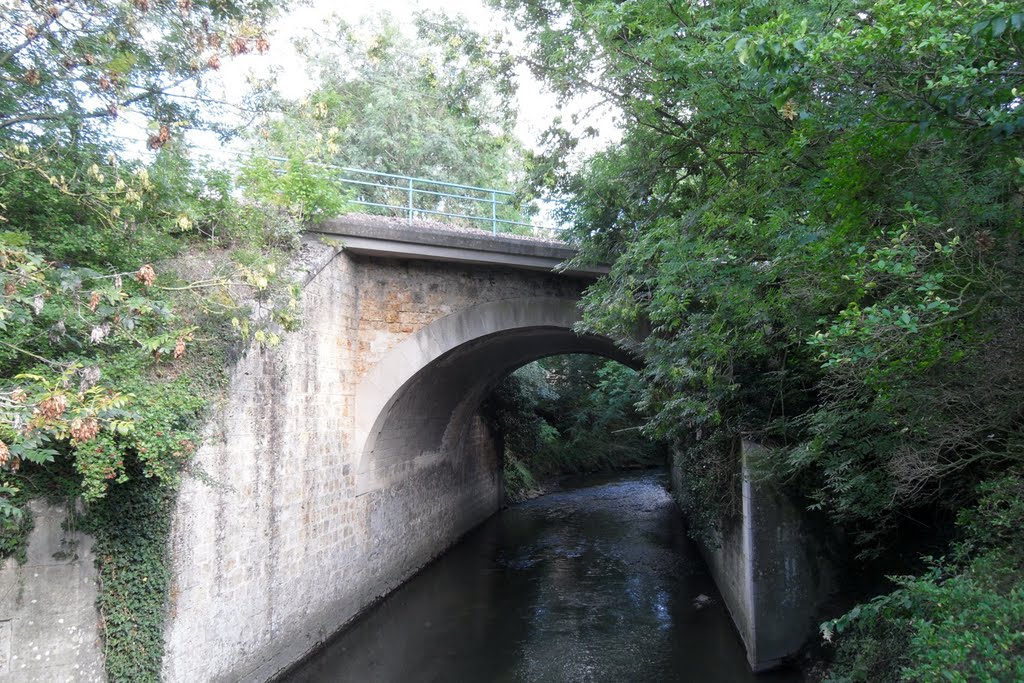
132,526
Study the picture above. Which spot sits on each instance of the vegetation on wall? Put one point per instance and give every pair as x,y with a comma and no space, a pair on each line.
131,526
565,415
127,278
815,210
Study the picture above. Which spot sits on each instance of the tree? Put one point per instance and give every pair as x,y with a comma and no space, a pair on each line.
815,211
82,315
76,77
817,224
83,226
71,68
438,106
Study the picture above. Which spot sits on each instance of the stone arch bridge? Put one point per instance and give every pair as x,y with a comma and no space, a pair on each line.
347,458
343,461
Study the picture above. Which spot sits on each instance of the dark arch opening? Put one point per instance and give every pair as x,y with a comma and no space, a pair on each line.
570,414
432,411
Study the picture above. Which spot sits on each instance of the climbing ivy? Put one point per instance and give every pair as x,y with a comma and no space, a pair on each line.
15,521
131,526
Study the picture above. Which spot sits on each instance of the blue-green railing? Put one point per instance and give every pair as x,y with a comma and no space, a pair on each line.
410,189
491,201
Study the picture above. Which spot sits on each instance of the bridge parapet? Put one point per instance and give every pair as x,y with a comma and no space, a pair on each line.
431,241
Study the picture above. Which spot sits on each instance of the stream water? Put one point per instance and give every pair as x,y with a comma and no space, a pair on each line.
597,582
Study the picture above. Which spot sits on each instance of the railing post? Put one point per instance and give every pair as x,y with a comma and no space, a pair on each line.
410,201
494,212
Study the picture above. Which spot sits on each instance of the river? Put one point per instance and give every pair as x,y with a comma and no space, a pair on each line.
596,582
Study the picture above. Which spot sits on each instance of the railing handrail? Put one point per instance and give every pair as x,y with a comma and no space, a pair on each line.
349,169
430,192
409,186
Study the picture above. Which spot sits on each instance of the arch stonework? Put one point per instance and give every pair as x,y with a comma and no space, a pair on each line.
434,380
343,461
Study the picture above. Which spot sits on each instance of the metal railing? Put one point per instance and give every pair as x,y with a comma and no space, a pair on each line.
410,188
382,191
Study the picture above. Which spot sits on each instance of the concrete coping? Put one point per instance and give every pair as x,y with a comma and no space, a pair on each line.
428,240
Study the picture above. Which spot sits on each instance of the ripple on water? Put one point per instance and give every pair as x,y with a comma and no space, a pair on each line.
592,583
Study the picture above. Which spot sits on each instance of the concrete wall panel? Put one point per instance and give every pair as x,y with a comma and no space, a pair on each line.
275,545
49,624
771,570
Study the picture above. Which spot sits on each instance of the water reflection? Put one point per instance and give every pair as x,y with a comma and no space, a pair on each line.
595,583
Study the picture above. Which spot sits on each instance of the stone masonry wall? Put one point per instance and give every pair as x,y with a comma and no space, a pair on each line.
273,550
398,298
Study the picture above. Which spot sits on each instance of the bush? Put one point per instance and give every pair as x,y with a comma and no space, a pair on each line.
569,414
962,620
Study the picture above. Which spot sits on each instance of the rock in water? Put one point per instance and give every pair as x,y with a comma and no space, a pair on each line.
702,601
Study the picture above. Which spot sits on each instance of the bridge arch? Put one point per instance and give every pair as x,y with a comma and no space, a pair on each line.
419,399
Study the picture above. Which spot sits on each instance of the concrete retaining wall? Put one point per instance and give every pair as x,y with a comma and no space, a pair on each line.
275,546
770,569
48,618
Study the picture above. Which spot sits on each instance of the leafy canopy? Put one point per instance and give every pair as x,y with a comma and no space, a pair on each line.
814,218
436,105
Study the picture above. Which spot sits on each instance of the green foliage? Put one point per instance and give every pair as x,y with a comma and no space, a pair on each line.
15,521
517,478
201,200
709,484
963,620
512,409
568,414
307,190
814,221
68,70
436,105
60,219
814,218
72,327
